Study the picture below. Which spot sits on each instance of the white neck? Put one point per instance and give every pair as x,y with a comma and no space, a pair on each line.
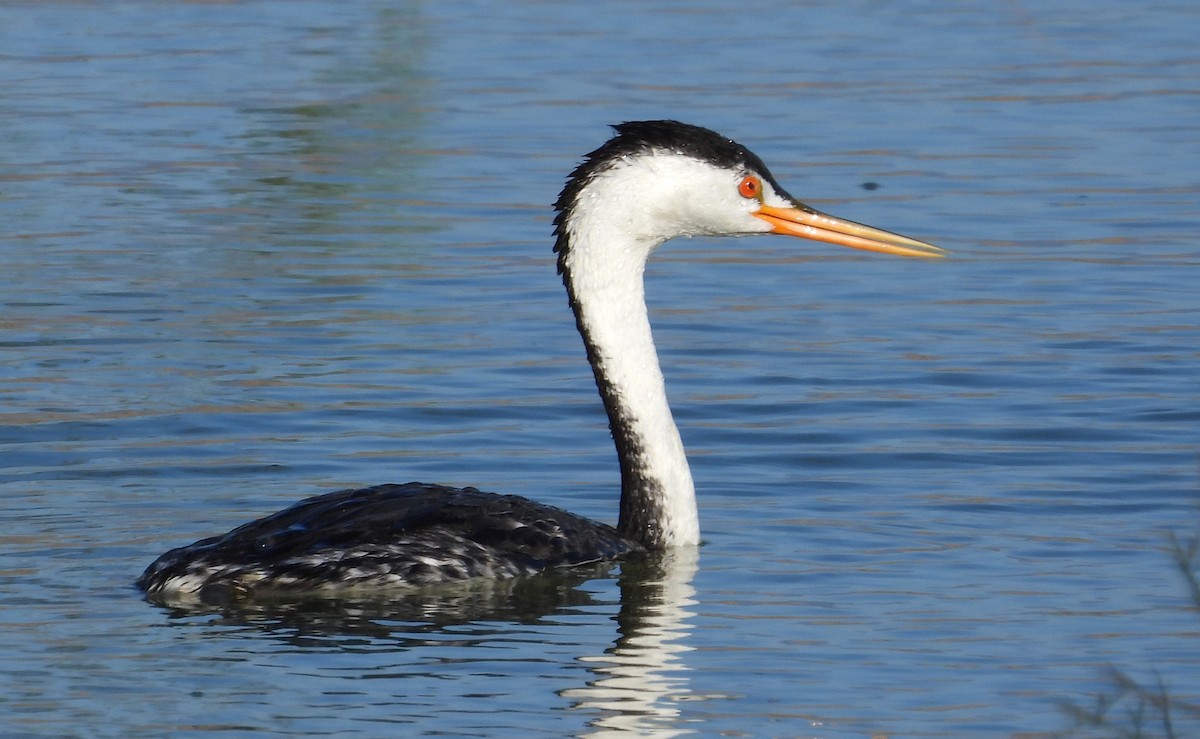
615,210
604,274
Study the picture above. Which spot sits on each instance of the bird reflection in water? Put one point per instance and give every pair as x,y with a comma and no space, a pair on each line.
635,685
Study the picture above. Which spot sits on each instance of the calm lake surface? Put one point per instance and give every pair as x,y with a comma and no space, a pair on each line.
255,251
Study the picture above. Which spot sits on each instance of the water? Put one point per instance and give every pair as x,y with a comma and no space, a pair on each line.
259,250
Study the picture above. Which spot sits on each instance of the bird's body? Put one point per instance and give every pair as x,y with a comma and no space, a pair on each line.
413,534
653,181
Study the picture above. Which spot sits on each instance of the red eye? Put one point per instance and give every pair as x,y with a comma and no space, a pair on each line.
750,187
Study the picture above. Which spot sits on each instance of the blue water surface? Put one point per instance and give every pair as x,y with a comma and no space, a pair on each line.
255,251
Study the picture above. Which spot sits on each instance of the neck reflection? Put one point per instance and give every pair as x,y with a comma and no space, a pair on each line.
642,678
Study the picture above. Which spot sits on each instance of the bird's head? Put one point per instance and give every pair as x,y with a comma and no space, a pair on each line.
656,180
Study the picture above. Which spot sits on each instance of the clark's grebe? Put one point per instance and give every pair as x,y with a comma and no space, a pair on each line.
652,181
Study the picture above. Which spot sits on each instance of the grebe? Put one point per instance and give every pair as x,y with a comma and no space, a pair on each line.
652,181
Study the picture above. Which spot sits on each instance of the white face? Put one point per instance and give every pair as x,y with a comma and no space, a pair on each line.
658,196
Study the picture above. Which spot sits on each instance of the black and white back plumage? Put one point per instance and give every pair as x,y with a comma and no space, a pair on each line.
387,535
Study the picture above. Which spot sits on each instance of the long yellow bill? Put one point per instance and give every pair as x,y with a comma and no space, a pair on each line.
812,224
